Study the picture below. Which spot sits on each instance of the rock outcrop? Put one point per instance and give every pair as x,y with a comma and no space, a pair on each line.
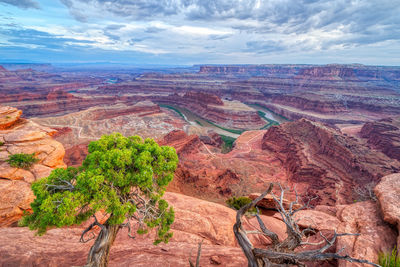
9,116
388,194
322,162
205,172
317,220
269,203
23,136
375,235
384,135
195,220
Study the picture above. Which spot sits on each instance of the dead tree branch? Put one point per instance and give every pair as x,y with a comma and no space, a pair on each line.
282,253
198,256
90,227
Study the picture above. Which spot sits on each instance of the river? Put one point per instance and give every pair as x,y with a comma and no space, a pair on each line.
196,120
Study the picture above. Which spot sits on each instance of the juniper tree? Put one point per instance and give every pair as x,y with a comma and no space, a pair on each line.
122,177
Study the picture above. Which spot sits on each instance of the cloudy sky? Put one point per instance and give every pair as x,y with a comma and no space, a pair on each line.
184,32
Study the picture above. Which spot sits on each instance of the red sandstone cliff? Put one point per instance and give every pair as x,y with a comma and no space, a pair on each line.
23,136
206,173
325,162
384,135
318,160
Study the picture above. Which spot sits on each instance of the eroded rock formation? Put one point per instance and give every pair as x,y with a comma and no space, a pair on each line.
384,135
388,194
77,129
23,136
206,173
323,162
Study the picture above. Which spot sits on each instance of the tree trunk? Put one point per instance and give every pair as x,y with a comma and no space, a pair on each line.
98,254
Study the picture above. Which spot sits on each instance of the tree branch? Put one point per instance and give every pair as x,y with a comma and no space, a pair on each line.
90,227
283,253
198,256
306,256
274,237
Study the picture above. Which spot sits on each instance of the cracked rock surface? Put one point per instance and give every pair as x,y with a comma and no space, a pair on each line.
23,136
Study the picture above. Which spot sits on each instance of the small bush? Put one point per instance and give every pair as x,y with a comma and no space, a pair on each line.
228,143
365,192
1,143
237,202
22,160
389,259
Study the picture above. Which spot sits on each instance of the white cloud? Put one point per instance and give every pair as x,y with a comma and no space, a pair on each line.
225,30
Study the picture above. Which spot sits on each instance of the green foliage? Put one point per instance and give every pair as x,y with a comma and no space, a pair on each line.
390,259
228,143
115,169
237,202
22,160
1,143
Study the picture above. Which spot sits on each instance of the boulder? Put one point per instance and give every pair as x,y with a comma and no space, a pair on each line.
317,220
207,220
388,194
8,117
15,198
269,203
275,225
375,235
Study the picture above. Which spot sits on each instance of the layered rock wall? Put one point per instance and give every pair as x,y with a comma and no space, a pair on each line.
384,135
331,164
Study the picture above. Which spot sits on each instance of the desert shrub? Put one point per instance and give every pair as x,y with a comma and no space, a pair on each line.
22,160
1,143
365,192
237,202
228,143
389,259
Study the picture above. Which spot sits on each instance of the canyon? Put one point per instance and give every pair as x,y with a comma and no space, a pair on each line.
331,132
384,135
